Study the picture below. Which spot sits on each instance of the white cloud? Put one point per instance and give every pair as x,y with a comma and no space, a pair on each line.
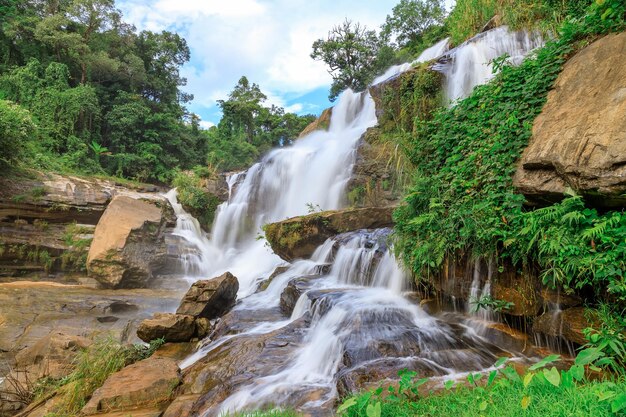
294,108
269,41
206,124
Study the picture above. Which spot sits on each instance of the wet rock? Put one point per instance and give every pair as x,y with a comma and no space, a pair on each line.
579,139
568,324
279,270
506,337
379,373
210,298
292,292
236,362
171,327
321,123
298,237
181,406
175,351
560,298
150,382
128,245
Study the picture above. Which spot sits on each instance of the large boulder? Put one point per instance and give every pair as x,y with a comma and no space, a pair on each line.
128,244
298,237
150,382
171,327
579,139
210,298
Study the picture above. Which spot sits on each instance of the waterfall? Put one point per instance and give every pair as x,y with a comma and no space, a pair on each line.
470,64
428,55
347,312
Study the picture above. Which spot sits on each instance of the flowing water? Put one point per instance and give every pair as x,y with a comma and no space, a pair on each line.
342,319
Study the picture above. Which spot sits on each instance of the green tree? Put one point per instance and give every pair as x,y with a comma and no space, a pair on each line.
16,129
351,53
410,19
242,108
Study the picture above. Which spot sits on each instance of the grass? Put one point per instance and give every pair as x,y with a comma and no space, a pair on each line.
92,368
506,400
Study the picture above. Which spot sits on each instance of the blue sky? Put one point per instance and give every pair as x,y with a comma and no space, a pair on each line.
269,41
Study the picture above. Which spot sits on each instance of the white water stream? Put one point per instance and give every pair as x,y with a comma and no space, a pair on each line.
352,311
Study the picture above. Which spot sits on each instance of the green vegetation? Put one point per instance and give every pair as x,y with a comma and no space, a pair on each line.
83,92
248,128
463,200
92,368
540,391
194,197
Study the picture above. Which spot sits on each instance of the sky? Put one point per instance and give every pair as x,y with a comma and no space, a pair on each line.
268,41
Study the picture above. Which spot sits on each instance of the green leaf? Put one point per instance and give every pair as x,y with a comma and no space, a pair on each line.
500,362
482,406
449,384
525,402
492,377
528,378
373,410
346,404
553,376
578,372
545,361
619,403
588,356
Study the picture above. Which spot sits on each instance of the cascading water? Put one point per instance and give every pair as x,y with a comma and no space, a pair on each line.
470,64
428,55
322,323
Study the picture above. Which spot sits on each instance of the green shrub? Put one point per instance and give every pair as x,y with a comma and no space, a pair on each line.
16,130
195,198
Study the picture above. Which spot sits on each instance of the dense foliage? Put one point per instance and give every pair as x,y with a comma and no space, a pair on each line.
85,92
249,128
469,16
463,200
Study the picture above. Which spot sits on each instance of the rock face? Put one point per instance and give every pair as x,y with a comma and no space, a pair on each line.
171,327
298,237
128,244
321,123
579,139
210,298
568,324
47,221
374,181
150,382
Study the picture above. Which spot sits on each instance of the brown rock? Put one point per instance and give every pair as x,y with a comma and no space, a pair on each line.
568,324
146,383
298,237
181,406
203,327
51,356
210,298
128,243
579,139
321,123
171,327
